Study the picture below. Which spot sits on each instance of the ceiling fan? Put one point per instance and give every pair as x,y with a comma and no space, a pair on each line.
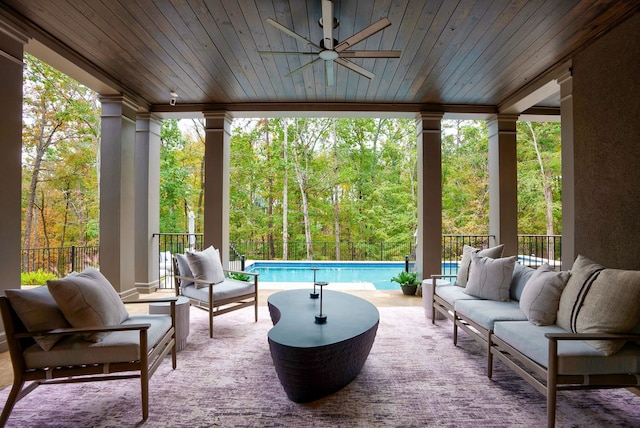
332,52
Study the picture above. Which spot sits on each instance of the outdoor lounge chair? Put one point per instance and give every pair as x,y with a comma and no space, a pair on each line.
200,277
64,353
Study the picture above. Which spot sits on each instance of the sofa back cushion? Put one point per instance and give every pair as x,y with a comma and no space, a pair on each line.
541,295
521,275
490,278
465,264
600,300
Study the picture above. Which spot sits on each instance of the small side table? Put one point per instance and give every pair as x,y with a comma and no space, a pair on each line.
427,298
182,318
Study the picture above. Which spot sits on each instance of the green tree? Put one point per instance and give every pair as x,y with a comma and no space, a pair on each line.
60,158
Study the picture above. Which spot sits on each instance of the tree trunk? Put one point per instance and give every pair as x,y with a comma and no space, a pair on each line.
285,193
336,194
547,192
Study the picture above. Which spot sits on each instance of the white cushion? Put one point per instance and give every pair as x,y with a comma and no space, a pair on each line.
206,265
541,295
490,278
38,311
600,300
465,263
88,299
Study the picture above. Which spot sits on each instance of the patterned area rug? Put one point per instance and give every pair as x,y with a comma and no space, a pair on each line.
414,377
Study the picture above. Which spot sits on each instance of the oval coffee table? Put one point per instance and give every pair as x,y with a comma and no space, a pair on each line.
315,360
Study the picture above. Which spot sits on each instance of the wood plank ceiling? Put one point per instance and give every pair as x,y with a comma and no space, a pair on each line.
453,52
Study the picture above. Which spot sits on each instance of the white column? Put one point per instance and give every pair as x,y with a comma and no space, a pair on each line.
216,186
503,181
568,174
12,42
429,249
147,201
117,193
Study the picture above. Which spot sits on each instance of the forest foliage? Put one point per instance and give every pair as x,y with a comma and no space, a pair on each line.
292,179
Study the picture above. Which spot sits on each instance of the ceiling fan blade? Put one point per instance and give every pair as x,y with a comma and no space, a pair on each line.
291,33
355,67
327,24
363,34
370,54
286,53
330,72
304,67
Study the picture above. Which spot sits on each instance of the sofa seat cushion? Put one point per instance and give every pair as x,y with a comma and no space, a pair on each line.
574,357
451,293
487,312
115,347
228,289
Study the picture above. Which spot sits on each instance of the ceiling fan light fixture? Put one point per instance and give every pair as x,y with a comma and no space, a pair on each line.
328,55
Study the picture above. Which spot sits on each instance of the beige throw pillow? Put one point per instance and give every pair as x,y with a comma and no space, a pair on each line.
606,301
490,278
206,265
465,263
38,311
541,295
88,299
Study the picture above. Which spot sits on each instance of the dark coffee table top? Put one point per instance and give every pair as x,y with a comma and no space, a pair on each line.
347,316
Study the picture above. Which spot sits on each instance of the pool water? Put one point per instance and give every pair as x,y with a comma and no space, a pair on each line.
379,274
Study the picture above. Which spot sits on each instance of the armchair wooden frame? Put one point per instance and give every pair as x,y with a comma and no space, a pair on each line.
217,307
19,339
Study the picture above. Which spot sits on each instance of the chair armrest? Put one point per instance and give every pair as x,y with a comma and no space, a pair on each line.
443,276
197,281
69,331
591,336
161,300
241,272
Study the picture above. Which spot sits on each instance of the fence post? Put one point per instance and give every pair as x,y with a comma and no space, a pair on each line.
242,260
406,263
73,258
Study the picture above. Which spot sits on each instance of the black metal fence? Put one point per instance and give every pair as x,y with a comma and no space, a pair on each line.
533,250
59,260
537,249
350,251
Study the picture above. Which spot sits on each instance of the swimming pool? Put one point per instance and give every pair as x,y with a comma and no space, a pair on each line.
379,274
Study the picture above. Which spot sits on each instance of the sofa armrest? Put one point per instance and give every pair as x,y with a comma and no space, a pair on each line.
591,336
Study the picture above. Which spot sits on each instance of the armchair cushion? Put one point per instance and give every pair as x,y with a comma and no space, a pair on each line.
465,263
38,311
206,265
116,347
88,299
184,270
490,278
228,289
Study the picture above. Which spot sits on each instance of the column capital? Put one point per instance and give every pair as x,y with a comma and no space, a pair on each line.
216,118
118,105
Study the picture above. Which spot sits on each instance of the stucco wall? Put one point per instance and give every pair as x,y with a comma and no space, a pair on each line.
606,94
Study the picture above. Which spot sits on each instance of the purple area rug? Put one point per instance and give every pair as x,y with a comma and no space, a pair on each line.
414,377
